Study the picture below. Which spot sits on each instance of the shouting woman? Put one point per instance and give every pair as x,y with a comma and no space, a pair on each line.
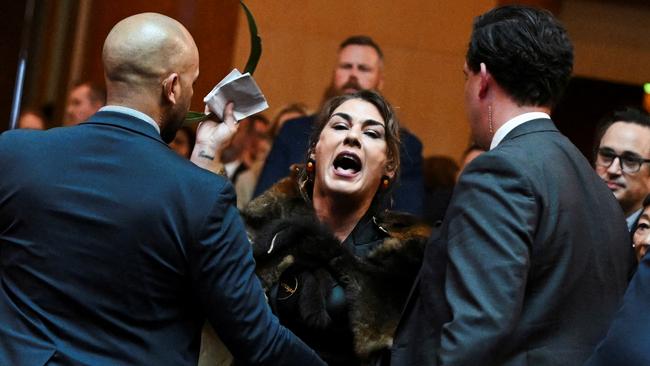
337,269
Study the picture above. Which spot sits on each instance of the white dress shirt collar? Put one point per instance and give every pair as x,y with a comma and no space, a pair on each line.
131,112
631,220
503,131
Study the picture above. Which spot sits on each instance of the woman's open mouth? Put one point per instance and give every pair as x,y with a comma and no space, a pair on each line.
347,164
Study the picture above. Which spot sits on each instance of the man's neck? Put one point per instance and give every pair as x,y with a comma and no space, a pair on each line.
136,99
504,113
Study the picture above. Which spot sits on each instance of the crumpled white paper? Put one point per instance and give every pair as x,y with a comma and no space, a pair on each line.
240,89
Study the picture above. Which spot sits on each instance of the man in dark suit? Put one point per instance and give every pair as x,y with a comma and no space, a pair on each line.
627,341
533,256
359,67
114,249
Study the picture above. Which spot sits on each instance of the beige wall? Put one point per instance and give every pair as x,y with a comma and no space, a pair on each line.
611,39
424,43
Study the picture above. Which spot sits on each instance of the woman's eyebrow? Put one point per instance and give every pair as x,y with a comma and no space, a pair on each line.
372,122
368,122
345,116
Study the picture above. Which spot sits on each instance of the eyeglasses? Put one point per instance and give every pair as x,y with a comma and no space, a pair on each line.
630,162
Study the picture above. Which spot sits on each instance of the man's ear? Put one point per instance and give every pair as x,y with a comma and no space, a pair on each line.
171,88
486,81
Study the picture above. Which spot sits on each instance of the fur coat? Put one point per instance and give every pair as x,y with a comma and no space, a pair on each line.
284,232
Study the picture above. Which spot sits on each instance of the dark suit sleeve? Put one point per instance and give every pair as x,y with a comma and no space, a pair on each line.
491,222
277,163
231,295
627,340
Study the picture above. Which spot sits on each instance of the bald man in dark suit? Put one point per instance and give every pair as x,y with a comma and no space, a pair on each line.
114,249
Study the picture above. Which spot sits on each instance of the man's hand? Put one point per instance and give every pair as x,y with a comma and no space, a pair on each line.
211,138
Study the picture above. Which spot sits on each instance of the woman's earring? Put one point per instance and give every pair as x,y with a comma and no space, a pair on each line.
385,182
310,167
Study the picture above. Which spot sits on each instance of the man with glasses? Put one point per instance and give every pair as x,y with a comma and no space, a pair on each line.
622,157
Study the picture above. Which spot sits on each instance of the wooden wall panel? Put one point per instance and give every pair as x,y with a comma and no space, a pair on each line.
611,39
212,24
554,6
424,43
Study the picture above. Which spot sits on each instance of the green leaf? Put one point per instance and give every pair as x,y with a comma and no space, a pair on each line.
251,64
256,42
192,117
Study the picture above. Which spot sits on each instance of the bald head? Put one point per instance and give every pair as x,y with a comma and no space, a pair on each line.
145,47
150,64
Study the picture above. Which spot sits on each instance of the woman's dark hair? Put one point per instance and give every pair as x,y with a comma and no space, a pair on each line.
392,137
526,50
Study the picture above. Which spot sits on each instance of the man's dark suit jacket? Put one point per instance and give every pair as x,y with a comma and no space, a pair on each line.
290,147
530,266
114,250
628,339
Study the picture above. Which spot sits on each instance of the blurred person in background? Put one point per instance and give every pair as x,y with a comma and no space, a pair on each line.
83,101
641,237
258,145
291,111
471,153
622,159
439,180
183,142
31,119
626,342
